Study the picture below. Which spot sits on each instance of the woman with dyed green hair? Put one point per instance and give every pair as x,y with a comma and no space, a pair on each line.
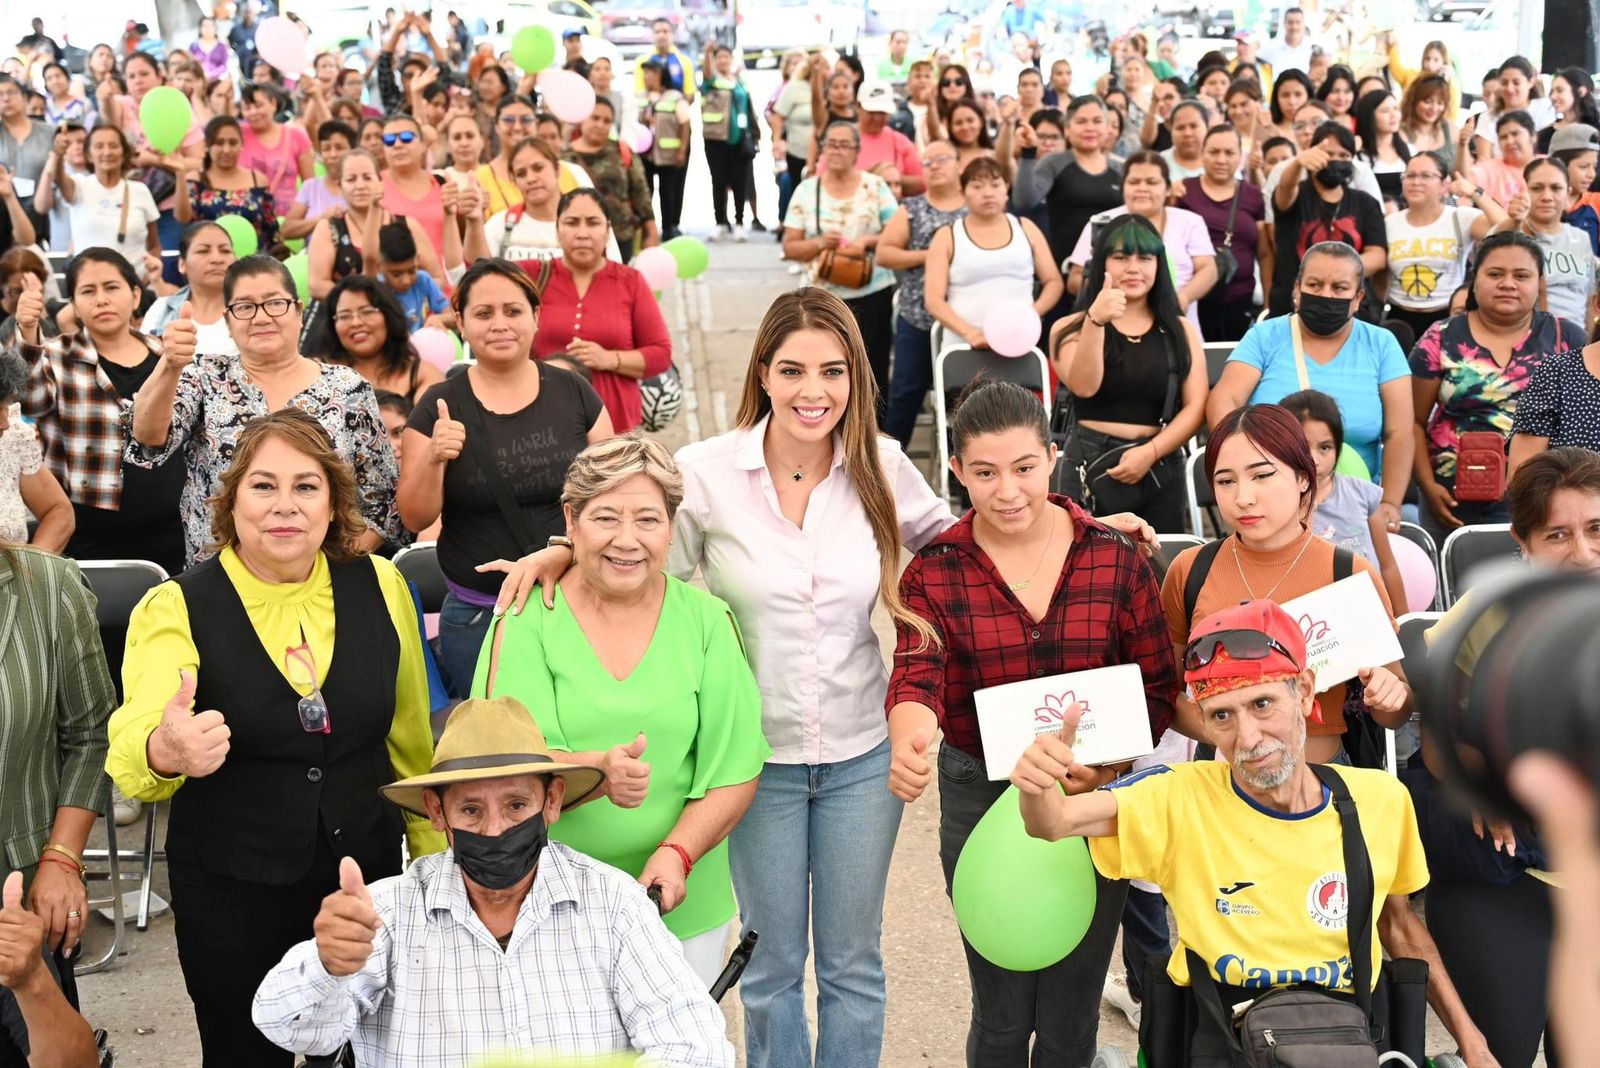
1137,374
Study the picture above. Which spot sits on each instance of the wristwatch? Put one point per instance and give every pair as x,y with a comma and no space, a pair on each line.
1477,192
558,539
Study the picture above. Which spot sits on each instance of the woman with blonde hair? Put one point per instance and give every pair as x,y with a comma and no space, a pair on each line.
805,479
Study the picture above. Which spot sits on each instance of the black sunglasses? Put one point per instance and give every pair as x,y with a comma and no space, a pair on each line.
953,81
1238,644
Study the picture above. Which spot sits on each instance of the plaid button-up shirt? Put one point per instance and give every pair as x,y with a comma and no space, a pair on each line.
1106,610
79,415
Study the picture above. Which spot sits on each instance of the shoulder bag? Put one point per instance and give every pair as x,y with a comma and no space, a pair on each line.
1480,466
1227,265
471,415
848,266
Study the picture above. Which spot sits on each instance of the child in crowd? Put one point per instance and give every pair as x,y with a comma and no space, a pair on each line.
1347,507
424,302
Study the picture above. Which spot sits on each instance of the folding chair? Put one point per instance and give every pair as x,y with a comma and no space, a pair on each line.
118,586
1170,545
419,564
1197,489
1217,353
1419,536
1469,548
954,368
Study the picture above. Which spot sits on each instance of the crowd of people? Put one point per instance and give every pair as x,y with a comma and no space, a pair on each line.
538,822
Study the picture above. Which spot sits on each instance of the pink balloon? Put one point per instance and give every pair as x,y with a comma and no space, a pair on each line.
657,266
642,139
1012,327
567,94
435,347
280,43
1416,572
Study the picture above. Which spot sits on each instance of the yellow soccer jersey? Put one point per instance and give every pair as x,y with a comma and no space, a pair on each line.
1259,895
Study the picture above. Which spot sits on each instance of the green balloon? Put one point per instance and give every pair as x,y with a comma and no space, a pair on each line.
691,255
165,115
1022,902
1350,463
533,48
241,233
300,269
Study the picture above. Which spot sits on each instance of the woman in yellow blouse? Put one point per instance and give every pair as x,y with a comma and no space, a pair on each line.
307,709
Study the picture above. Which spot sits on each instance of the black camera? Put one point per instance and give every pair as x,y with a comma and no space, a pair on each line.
1518,671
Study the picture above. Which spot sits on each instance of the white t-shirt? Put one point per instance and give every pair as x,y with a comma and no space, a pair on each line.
533,239
1280,55
1428,263
1178,171
1568,272
97,212
1186,238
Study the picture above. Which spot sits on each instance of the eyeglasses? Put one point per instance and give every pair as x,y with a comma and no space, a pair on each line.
404,137
937,161
1238,644
518,120
839,146
371,311
313,708
1422,176
276,308
1305,126
952,81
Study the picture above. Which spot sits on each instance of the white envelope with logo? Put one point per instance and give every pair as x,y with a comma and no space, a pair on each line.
1115,724
1346,629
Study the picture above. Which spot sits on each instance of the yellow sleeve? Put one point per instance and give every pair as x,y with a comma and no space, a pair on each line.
159,646
411,735
1403,74
1140,848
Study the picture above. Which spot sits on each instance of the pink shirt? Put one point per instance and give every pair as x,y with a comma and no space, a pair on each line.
617,312
280,163
1500,180
890,146
803,594
134,129
429,211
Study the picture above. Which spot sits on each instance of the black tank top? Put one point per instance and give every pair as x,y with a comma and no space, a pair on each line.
1134,386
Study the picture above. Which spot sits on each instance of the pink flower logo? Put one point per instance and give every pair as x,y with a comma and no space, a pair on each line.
1054,710
1314,629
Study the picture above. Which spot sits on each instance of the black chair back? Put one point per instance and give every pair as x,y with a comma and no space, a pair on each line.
419,564
118,586
1470,547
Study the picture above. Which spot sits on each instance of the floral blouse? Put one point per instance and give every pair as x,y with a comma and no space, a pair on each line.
215,399
20,456
254,204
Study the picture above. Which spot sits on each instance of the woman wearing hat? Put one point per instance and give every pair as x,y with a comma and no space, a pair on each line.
308,708
644,676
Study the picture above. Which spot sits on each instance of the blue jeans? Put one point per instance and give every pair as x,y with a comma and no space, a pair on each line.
462,629
169,230
910,380
832,827
1058,1007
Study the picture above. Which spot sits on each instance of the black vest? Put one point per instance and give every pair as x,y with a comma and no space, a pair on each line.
258,816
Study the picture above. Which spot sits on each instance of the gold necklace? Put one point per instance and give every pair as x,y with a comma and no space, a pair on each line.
800,473
1018,587
1286,573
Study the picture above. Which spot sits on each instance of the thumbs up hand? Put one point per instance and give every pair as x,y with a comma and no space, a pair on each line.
347,923
449,437
627,777
1050,761
30,307
181,337
187,744
909,770
21,939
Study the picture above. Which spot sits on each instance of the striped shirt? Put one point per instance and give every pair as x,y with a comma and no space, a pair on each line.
79,414
55,699
589,970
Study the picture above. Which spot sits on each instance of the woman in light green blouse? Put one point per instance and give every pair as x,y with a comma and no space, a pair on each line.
645,676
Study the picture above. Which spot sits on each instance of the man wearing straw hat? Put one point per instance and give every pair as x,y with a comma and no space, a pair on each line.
505,943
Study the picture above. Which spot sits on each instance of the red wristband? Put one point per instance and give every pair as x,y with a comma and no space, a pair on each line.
683,855
53,858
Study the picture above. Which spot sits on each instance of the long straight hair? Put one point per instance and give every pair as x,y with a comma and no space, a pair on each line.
813,308
1137,235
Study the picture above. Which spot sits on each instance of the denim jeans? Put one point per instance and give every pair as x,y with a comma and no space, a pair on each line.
462,628
909,381
1058,1007
830,827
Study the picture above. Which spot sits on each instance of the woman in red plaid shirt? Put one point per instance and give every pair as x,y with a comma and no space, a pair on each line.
1027,584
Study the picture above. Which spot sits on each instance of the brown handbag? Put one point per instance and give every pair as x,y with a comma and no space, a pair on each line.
1481,466
848,266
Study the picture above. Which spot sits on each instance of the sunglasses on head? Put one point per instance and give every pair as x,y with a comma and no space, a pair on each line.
1238,644
404,137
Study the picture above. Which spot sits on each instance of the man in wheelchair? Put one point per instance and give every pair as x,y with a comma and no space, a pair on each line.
1253,854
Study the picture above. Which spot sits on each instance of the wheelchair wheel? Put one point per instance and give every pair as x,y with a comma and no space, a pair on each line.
1113,1057
1447,1060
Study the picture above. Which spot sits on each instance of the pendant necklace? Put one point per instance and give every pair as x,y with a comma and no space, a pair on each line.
799,474
1287,571
1018,587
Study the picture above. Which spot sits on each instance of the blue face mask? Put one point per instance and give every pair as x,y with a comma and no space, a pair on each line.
500,861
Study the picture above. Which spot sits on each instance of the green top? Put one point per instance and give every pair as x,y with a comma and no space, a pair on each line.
895,73
693,696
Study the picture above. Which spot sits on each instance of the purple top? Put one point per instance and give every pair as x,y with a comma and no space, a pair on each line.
215,61
472,597
1252,209
318,198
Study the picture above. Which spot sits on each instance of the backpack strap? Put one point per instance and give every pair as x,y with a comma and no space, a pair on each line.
1359,885
1197,577
1344,563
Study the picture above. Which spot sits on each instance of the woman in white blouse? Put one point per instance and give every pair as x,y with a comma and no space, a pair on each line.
797,518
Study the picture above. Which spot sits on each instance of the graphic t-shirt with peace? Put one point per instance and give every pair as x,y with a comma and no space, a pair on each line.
1428,263
1568,271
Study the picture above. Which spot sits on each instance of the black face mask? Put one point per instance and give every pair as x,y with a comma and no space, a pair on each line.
1336,173
1323,316
503,860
